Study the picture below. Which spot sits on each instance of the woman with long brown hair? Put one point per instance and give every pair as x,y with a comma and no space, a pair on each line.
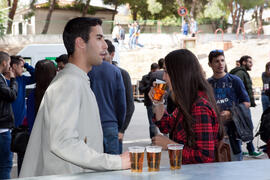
195,121
45,71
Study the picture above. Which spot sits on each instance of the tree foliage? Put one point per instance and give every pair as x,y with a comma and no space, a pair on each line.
154,7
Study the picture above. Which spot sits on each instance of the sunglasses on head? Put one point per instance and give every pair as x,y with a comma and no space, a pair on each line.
217,50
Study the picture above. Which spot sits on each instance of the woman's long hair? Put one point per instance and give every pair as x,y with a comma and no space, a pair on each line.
267,69
45,71
187,80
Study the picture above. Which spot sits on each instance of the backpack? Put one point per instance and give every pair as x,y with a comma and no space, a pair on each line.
242,122
264,130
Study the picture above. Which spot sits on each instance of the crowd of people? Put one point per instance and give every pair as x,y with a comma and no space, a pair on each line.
230,90
79,110
118,35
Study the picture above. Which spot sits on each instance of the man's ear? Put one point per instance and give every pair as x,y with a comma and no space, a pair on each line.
112,55
209,64
79,42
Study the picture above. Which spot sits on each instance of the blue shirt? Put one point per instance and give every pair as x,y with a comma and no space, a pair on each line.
229,90
31,112
18,106
108,87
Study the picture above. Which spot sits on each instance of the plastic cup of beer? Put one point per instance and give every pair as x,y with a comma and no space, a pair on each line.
153,157
136,154
175,155
159,87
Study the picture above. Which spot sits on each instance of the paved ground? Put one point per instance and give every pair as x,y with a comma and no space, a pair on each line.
138,133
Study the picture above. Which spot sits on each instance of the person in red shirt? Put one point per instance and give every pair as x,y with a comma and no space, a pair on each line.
195,121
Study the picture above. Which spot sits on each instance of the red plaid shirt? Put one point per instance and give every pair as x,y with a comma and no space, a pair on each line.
205,128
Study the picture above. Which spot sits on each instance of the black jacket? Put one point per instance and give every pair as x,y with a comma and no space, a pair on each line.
144,87
7,95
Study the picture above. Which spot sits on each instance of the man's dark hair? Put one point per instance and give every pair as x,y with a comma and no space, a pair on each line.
78,27
111,47
161,63
154,66
215,53
3,56
15,60
63,58
244,58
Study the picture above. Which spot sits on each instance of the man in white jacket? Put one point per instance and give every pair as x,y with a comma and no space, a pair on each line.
67,134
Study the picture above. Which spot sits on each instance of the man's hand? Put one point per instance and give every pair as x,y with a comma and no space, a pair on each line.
225,115
162,141
10,73
120,136
247,104
125,160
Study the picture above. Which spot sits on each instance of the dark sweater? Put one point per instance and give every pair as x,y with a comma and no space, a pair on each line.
108,87
129,99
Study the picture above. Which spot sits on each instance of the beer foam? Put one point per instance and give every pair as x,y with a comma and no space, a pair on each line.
158,81
153,149
136,149
175,146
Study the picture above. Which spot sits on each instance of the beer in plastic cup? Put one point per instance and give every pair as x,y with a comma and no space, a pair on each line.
136,154
153,157
159,88
175,155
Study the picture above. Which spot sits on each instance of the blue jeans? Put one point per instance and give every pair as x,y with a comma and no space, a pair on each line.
5,155
250,146
152,126
110,140
265,102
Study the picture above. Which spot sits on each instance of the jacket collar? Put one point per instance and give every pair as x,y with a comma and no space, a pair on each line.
76,70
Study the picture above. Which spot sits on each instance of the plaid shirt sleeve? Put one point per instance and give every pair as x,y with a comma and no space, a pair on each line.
167,122
206,130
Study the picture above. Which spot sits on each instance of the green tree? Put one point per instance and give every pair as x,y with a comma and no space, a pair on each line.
154,7
237,9
116,4
216,12
85,9
48,19
11,14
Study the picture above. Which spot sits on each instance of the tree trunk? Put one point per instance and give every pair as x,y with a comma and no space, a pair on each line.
115,12
260,18
237,25
256,15
192,10
134,15
9,3
113,16
32,5
48,19
242,23
85,9
213,25
234,27
11,15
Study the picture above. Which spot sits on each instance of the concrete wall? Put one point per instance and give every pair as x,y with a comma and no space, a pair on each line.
147,39
61,17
